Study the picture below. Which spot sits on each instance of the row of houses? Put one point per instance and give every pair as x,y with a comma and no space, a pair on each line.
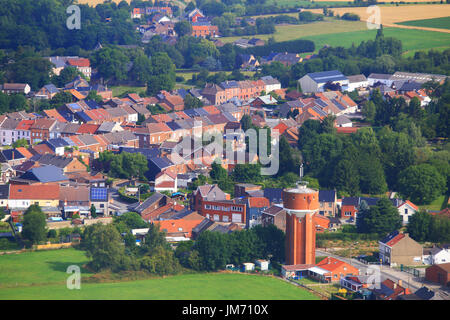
244,90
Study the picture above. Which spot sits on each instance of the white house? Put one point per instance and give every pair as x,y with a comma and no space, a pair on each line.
166,181
382,78
271,83
406,210
356,82
315,82
436,255
8,131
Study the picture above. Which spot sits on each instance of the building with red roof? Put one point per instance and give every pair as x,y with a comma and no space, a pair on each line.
82,64
399,249
337,269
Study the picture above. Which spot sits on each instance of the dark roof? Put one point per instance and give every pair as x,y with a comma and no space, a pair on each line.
45,174
56,143
11,154
149,201
424,293
327,195
161,162
389,237
274,195
149,153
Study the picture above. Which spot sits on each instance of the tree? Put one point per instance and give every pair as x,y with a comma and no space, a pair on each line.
421,183
163,74
104,246
247,173
246,122
183,28
154,238
271,241
288,163
191,102
93,211
419,226
34,225
130,220
382,218
111,63
20,143
213,250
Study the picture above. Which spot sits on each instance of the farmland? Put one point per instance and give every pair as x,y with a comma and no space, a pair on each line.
390,15
42,275
441,23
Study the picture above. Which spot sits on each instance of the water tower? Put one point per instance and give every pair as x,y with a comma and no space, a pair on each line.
301,204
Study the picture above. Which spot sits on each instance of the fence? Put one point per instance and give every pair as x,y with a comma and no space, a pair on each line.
419,273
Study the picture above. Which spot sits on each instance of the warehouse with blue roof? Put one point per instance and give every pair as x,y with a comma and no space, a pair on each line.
314,82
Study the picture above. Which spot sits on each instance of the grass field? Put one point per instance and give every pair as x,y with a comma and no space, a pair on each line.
213,286
42,275
39,267
118,90
438,204
441,23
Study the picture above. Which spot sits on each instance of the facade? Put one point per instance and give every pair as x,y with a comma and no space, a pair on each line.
224,211
315,82
399,249
439,273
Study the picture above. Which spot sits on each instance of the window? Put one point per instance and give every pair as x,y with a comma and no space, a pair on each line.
207,206
348,213
216,217
225,219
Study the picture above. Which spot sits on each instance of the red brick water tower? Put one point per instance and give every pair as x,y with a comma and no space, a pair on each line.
300,204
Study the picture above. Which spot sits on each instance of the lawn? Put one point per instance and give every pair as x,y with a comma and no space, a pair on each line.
39,267
438,204
42,275
440,23
118,90
214,286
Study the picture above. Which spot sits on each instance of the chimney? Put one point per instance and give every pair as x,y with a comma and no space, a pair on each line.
400,283
395,286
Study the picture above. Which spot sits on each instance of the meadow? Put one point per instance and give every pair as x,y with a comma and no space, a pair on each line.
42,275
440,23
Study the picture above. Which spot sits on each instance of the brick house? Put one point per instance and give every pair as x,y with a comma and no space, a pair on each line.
200,29
41,128
337,269
274,215
439,273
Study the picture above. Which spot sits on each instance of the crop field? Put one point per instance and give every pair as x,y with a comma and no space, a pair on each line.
390,15
440,23
42,275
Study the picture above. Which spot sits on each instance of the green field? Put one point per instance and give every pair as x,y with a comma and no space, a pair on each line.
343,33
213,286
42,275
118,90
438,204
39,267
440,23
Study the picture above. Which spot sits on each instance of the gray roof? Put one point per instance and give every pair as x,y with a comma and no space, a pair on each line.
325,76
149,201
356,78
47,173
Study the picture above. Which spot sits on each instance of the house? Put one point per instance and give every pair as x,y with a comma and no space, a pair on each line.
337,269
7,172
418,77
166,181
436,255
81,64
214,93
42,175
255,207
390,290
40,129
204,29
406,210
195,14
246,189
399,249
4,195
47,92
8,131
14,88
12,157
224,211
274,215
271,84
99,197
315,82
380,79
327,203
356,82
149,208
67,164
287,59
23,196
206,193
180,229
439,273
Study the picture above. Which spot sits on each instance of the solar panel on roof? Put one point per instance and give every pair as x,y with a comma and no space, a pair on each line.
99,193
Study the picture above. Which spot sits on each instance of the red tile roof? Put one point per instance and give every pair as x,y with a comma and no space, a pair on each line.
80,62
179,225
34,192
88,128
52,113
258,202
